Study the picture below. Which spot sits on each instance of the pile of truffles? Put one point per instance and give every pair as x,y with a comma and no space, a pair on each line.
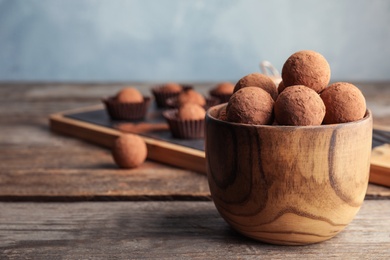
303,97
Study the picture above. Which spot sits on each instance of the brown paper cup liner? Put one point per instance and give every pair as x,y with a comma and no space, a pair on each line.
161,96
126,111
223,98
184,129
210,101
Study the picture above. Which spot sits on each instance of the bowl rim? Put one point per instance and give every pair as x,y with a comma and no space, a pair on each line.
367,117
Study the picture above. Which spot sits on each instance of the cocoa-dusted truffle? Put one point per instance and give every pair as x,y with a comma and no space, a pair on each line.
222,91
308,68
222,114
171,87
250,105
127,104
344,103
258,80
223,88
299,106
129,151
191,96
129,95
281,87
166,91
191,111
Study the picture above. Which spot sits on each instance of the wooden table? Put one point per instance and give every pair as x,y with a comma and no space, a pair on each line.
63,198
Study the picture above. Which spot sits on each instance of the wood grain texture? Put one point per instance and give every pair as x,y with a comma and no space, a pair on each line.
36,164
380,165
285,184
168,230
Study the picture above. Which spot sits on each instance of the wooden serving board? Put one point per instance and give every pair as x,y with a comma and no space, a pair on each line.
380,156
94,125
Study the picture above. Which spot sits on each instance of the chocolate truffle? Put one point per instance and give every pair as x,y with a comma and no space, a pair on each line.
299,106
191,111
308,68
129,151
224,88
281,87
171,87
223,91
222,114
191,96
166,91
250,105
344,103
129,95
258,80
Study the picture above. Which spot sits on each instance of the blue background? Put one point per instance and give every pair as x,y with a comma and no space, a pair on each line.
173,40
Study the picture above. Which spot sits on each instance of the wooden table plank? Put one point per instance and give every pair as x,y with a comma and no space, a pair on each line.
166,230
76,175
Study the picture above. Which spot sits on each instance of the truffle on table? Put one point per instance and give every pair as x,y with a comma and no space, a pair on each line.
344,103
250,105
129,151
308,68
191,111
191,96
129,95
299,106
258,80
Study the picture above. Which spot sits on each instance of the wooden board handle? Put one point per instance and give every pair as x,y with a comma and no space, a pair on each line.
380,165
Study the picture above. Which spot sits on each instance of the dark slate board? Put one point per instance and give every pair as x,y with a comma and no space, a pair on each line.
101,117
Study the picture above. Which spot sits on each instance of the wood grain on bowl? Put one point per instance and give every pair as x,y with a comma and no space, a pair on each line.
285,184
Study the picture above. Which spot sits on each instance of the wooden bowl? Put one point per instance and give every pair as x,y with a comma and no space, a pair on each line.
287,185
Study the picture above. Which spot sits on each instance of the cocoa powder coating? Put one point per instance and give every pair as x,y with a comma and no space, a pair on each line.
191,111
281,87
299,106
223,88
129,95
250,105
308,68
258,80
191,96
222,114
171,87
129,151
344,103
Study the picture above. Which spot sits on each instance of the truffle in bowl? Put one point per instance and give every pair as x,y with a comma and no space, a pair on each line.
290,185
